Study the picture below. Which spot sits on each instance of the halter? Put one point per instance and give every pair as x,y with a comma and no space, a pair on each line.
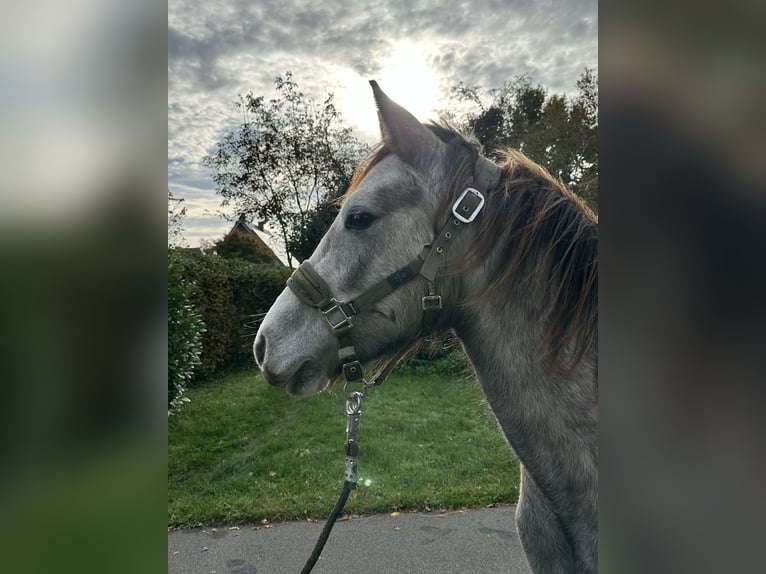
314,291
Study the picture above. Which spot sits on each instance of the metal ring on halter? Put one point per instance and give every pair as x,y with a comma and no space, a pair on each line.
354,402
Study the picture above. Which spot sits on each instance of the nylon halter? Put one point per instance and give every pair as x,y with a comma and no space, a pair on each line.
314,291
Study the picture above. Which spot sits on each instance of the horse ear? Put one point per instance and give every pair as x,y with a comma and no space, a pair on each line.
401,131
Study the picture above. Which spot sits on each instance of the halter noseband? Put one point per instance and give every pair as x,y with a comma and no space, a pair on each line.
314,291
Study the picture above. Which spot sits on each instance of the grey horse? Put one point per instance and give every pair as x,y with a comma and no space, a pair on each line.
517,282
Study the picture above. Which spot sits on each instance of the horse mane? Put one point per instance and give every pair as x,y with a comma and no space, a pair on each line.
538,227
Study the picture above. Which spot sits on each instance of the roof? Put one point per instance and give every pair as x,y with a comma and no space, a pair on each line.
241,226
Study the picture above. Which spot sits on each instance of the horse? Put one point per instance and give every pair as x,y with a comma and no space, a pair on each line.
433,236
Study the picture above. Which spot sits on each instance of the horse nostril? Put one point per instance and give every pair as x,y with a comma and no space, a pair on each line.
260,349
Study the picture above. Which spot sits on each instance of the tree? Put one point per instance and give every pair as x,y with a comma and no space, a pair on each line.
306,237
559,133
176,213
526,119
289,156
584,125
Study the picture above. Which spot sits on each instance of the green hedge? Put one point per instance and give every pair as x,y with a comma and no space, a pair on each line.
232,295
185,330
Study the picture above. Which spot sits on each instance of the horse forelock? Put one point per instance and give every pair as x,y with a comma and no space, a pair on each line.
379,152
459,146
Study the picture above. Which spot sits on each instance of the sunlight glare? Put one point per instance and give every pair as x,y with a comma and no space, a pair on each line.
407,79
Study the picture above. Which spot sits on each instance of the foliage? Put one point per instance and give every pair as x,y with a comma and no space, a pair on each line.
244,451
557,132
289,155
307,236
176,213
212,297
185,330
230,295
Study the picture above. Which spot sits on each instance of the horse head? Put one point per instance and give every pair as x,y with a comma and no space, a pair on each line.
387,216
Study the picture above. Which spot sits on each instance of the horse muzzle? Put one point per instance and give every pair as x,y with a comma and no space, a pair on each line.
293,358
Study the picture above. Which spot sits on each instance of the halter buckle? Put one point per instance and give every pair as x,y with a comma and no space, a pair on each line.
432,303
468,205
339,314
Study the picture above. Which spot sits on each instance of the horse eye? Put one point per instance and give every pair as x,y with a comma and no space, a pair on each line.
359,220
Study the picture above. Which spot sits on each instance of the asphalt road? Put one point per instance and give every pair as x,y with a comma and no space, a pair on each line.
470,541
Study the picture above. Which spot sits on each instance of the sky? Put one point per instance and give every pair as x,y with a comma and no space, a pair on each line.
417,51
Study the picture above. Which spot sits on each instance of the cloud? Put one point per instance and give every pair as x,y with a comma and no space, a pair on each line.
217,50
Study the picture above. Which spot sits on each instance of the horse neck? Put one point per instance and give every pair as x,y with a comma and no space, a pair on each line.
502,336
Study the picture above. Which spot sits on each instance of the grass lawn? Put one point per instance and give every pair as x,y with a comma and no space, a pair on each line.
243,451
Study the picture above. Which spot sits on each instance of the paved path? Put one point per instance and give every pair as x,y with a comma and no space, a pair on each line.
471,541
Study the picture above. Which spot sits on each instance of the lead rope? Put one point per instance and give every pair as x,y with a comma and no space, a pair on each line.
353,416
